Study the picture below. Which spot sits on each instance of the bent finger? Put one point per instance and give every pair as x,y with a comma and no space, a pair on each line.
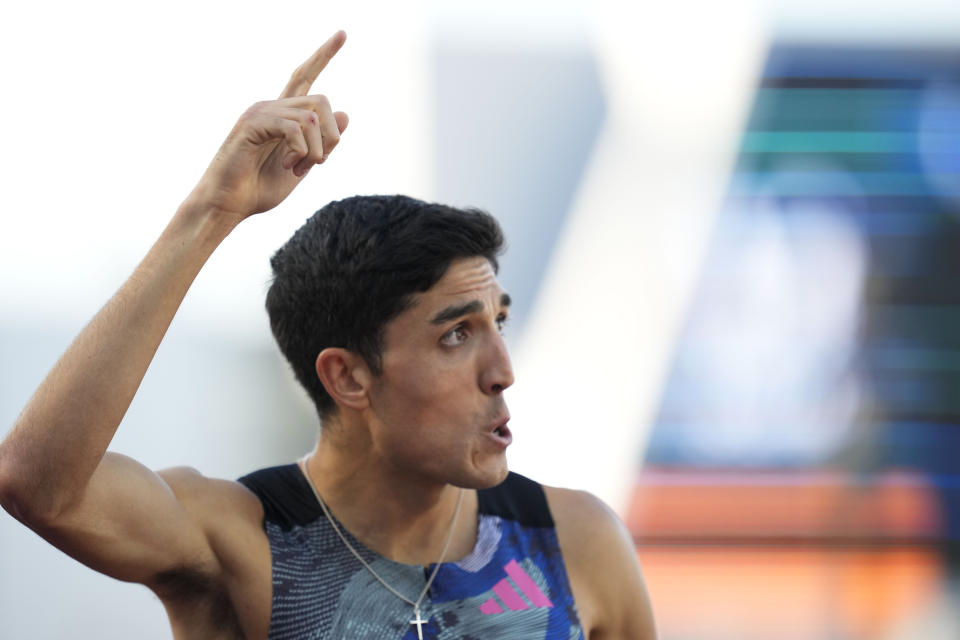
292,133
330,131
308,146
329,126
342,120
261,124
315,153
304,76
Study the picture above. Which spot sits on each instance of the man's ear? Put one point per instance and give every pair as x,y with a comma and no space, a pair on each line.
346,377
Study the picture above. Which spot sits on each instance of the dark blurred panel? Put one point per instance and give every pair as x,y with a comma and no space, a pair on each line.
813,401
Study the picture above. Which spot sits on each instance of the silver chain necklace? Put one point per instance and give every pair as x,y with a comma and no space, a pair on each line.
416,604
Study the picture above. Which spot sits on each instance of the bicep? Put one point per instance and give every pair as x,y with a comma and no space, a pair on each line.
132,523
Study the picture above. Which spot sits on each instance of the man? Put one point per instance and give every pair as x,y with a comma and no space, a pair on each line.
403,521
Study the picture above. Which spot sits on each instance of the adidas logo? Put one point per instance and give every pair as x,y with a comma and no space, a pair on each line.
509,593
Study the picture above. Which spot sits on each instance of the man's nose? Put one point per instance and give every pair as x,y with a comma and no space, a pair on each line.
497,373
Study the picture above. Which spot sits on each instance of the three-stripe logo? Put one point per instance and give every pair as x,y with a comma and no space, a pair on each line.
509,595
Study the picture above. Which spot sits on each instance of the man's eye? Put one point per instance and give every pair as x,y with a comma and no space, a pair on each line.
455,336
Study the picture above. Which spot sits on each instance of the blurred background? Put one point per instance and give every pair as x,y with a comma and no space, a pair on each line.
732,254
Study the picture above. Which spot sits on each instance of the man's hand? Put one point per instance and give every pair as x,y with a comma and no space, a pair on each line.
274,144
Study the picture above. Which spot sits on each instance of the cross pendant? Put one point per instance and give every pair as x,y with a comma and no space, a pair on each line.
419,622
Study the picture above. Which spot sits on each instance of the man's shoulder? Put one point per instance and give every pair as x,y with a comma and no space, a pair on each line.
235,593
229,514
601,561
577,509
203,496
589,530
533,504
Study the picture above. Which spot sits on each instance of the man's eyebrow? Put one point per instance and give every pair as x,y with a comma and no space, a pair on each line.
456,311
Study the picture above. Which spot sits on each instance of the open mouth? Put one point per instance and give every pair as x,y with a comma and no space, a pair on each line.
502,433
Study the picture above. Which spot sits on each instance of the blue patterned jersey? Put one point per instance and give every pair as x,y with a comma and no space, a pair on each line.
512,585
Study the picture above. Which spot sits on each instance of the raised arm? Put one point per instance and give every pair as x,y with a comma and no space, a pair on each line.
55,475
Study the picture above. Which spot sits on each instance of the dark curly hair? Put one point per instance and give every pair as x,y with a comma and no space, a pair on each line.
355,265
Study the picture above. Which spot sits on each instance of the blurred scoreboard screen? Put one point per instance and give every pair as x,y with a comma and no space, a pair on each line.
824,330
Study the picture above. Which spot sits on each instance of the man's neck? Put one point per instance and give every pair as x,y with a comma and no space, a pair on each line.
403,518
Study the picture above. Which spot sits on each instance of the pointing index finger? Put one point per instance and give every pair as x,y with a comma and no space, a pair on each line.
305,75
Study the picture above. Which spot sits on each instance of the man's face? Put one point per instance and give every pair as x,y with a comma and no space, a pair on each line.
438,402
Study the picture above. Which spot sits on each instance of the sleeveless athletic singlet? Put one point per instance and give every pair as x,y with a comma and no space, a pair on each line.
513,584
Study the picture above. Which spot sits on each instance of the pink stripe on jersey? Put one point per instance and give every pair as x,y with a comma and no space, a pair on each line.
527,585
510,597
490,607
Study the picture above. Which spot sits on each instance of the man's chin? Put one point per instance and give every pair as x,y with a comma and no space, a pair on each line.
485,478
